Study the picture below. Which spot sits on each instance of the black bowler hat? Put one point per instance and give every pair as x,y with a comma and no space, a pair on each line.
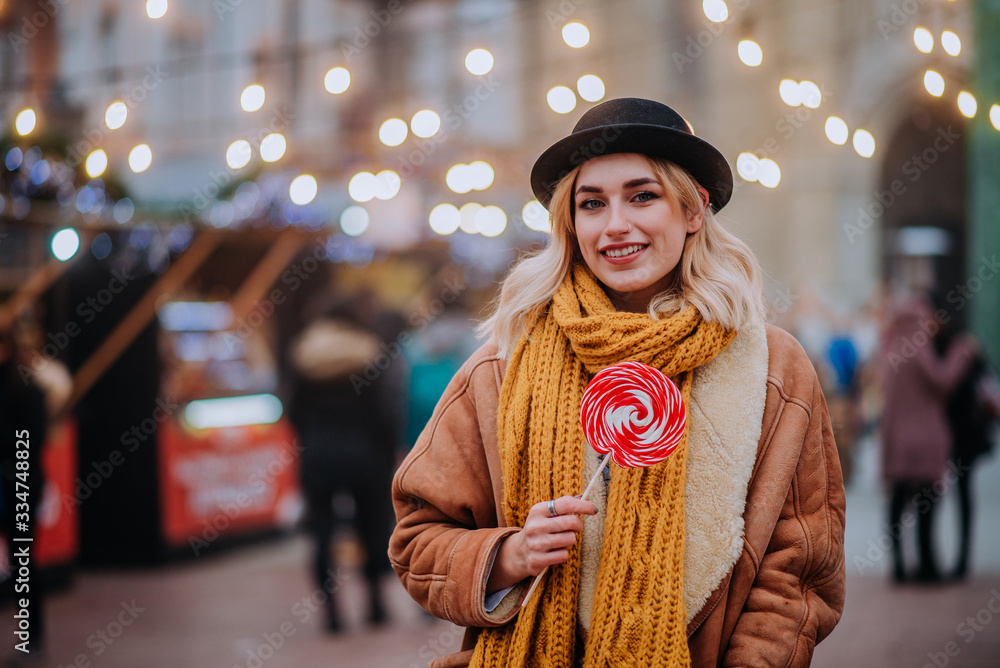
634,125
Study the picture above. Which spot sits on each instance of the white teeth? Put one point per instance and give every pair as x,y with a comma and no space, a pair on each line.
621,252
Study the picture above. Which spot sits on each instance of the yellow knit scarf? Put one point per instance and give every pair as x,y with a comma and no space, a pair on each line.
639,615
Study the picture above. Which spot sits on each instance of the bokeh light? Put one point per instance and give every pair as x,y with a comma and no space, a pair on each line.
393,132
934,83
716,11
951,43
238,154
576,34
96,163
362,187
535,217
995,116
425,123
837,130
750,52
354,220
479,61
561,99
748,166
923,39
252,97
115,115
25,121
156,9
790,92
272,147
444,219
387,184
65,244
303,189
491,221
864,143
140,158
769,174
967,104
591,87
811,95
337,80
468,217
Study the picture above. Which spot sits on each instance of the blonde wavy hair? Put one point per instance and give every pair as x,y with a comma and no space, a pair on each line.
718,273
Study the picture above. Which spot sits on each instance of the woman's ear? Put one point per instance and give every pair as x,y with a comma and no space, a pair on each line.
695,221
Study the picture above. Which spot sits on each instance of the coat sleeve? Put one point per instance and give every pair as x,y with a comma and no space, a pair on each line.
798,593
445,502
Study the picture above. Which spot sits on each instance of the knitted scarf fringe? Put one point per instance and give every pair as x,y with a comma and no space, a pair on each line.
639,615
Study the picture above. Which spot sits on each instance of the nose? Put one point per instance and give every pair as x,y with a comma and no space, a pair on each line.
617,221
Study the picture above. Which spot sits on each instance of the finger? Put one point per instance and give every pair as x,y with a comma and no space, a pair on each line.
543,559
551,541
536,526
571,505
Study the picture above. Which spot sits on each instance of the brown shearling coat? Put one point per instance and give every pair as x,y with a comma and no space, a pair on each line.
783,594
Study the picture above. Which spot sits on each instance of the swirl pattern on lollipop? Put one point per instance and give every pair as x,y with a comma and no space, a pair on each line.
634,412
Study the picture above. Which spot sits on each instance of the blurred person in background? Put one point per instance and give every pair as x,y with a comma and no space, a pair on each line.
916,439
23,429
346,406
972,409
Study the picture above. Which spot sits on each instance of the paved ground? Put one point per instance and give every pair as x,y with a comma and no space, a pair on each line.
251,608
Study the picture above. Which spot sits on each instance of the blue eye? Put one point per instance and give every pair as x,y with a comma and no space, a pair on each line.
645,196
588,204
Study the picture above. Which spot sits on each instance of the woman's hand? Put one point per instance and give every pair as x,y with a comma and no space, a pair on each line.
542,542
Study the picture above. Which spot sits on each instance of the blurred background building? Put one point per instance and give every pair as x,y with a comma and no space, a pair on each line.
182,178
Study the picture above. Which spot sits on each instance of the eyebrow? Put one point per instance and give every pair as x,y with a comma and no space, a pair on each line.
632,183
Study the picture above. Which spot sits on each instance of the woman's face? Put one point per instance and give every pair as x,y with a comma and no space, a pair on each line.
630,234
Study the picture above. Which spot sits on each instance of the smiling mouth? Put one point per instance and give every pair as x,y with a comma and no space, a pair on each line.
622,252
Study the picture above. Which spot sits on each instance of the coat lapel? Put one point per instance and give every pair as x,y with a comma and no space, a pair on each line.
725,414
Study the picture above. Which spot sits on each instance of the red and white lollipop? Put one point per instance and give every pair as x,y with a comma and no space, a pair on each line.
632,413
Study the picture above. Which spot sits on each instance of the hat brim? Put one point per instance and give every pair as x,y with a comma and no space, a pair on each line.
702,160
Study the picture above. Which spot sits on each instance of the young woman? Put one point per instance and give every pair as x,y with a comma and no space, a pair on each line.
730,552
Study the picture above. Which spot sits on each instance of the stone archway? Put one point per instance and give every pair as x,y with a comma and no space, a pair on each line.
923,191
